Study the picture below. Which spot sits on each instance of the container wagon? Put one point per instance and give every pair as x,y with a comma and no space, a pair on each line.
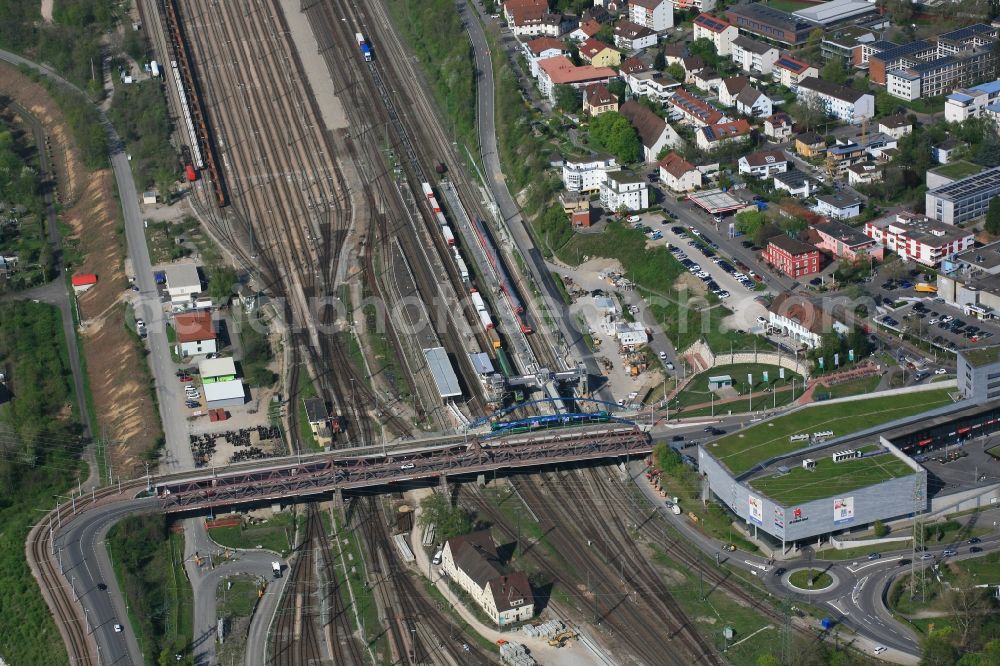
478,301
428,191
463,270
494,338
366,50
448,236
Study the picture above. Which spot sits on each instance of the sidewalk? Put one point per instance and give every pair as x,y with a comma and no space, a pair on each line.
573,653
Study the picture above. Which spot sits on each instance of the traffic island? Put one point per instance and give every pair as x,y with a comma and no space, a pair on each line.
810,580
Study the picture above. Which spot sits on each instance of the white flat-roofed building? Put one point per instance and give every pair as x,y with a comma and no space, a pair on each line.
967,103
588,174
229,393
219,369
965,199
657,15
836,11
442,372
183,282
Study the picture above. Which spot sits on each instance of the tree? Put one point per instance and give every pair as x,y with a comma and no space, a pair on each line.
222,283
676,72
566,99
967,605
809,111
813,41
612,132
993,217
834,71
659,60
705,49
880,529
750,222
988,151
450,521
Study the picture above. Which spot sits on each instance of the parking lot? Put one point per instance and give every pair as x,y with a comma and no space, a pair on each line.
935,321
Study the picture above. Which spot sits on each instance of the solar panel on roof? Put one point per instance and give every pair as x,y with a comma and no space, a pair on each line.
790,64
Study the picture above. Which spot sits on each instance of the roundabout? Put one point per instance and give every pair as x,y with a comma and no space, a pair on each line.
811,580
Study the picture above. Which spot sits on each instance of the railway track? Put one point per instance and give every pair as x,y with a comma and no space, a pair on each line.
295,640
419,633
619,590
289,197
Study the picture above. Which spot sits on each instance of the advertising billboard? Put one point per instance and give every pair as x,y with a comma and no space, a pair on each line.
756,509
779,518
843,510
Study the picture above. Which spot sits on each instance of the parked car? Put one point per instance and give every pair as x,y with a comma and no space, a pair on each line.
941,371
186,378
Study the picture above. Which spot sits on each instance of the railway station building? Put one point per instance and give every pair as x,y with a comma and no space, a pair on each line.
471,561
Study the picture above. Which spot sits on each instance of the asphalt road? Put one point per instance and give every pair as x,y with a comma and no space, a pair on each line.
509,209
205,581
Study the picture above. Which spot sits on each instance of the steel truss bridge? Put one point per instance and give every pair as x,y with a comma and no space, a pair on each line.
270,480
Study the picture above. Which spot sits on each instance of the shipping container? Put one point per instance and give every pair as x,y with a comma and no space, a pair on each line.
462,269
494,338
485,320
366,50
477,300
448,236
428,191
154,68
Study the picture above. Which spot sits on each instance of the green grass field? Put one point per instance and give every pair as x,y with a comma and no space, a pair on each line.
272,535
697,391
741,451
855,387
829,478
802,578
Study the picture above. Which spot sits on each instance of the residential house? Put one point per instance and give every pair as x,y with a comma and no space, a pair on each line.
632,66
653,84
753,56
778,126
560,70
472,562
763,163
730,89
841,102
711,137
792,257
694,110
539,49
183,282
788,71
513,9
843,154
599,54
656,15
633,37
796,183
654,133
597,99
319,420
707,80
896,126
624,190
586,175
674,52
551,25
810,144
753,103
846,242
945,151
863,174
678,174
801,320
585,31
839,205
718,31
919,238
692,65
195,333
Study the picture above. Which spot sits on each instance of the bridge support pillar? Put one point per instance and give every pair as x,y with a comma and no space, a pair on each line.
481,480
443,484
338,500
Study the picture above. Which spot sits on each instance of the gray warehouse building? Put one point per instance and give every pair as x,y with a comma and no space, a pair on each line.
964,199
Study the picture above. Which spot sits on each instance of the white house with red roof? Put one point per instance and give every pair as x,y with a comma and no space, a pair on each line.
788,71
711,137
540,48
678,174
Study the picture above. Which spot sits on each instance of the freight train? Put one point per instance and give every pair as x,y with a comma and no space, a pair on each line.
502,275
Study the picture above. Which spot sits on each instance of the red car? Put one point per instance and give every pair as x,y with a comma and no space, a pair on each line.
186,378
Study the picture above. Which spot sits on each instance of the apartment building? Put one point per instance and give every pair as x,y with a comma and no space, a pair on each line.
597,53
711,137
694,110
625,190
770,23
753,56
763,163
919,238
597,99
841,102
657,15
678,174
788,71
753,103
792,257
718,31
560,70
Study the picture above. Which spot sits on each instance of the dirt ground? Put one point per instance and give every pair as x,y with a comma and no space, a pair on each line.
121,396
